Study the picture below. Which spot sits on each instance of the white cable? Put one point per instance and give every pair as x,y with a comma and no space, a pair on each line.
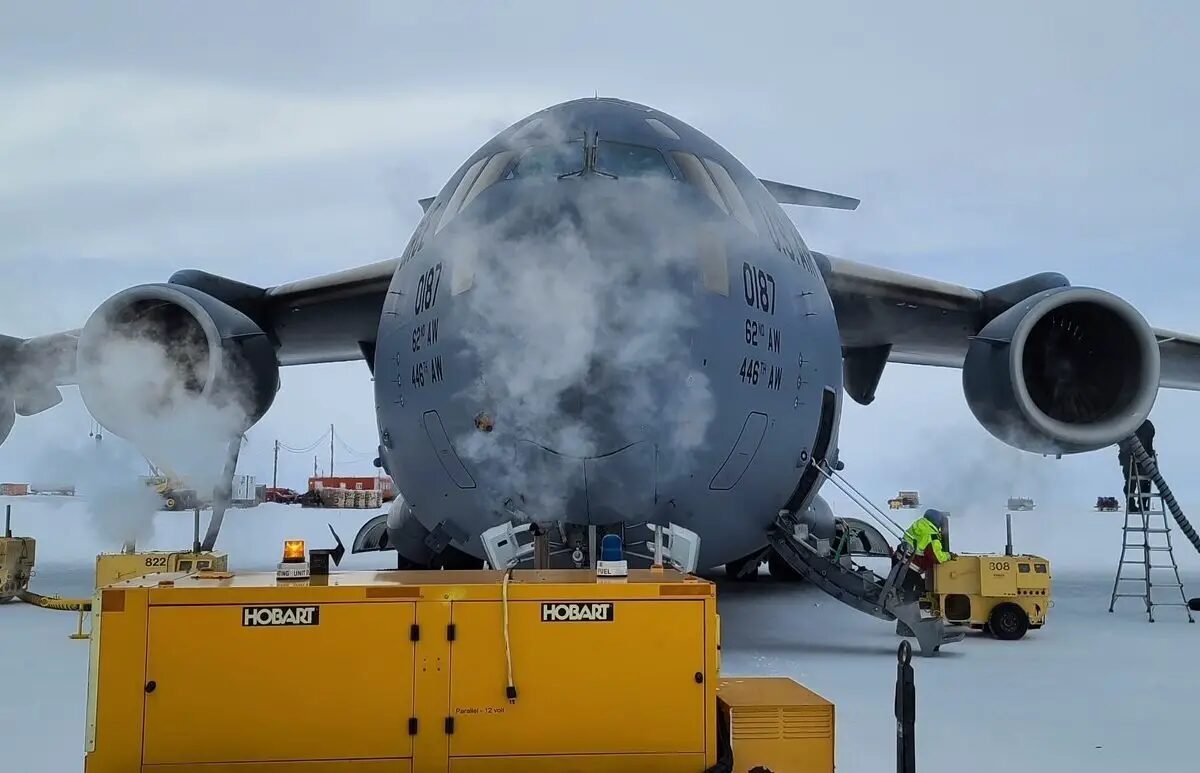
512,690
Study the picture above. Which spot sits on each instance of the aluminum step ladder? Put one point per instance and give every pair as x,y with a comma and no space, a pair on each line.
1146,551
895,597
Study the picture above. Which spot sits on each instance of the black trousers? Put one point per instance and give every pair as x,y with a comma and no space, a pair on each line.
1131,488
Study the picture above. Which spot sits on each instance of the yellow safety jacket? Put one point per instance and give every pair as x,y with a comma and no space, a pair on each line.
923,535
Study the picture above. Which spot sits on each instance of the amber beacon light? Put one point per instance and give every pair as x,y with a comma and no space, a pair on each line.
294,565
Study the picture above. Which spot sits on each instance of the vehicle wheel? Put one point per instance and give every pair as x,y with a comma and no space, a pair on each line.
1008,622
734,568
780,569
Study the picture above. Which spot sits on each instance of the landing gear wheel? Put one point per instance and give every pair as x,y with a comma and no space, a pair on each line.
734,569
1008,622
781,570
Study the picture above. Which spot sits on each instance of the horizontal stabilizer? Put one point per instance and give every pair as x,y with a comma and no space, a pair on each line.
807,197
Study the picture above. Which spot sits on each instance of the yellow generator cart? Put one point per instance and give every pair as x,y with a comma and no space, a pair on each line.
1001,594
464,672
16,566
16,560
115,567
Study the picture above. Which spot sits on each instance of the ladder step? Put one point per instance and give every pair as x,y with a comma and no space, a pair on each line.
1146,514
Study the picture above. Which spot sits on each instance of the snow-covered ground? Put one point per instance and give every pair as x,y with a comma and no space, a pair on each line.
1090,691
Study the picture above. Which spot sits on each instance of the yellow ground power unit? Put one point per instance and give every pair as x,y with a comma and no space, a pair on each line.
115,567
1004,595
777,725
553,671
16,565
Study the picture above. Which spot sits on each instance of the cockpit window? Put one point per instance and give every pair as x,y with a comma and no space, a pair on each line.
623,160
549,161
491,174
714,181
695,173
662,128
733,197
460,193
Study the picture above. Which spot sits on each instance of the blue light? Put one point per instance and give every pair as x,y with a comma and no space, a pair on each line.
610,548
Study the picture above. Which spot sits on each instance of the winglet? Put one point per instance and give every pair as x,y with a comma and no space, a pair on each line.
425,202
807,197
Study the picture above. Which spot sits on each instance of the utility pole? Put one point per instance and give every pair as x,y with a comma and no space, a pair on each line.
314,465
331,450
275,471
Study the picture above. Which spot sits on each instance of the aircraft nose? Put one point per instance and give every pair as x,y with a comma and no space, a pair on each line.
581,315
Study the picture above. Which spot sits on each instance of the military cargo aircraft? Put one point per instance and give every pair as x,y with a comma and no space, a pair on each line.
604,320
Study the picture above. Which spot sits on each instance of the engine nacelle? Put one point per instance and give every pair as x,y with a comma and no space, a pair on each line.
1066,370
8,416
160,354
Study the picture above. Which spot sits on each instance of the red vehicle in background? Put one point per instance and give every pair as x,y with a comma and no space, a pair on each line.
282,496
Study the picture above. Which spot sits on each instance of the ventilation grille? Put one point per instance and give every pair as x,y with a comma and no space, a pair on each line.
789,723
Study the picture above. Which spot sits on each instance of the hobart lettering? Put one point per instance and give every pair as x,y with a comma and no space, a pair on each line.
562,612
266,616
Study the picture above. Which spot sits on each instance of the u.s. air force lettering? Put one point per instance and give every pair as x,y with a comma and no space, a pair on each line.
289,615
571,612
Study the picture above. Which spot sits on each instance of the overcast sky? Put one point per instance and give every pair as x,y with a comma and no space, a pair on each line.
281,140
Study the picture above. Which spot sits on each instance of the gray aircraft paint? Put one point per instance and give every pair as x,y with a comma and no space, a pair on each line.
683,432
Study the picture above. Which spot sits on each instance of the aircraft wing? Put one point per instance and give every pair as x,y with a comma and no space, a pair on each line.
890,316
330,318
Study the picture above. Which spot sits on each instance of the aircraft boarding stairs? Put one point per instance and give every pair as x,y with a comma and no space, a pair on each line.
831,568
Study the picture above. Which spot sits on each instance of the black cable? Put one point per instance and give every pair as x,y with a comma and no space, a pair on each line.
1150,465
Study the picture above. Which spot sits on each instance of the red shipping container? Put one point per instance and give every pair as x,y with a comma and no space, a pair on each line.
14,489
353,483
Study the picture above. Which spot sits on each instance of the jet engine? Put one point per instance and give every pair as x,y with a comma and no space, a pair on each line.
1066,370
8,416
161,355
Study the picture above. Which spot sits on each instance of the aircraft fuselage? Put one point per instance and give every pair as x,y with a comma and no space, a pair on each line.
604,318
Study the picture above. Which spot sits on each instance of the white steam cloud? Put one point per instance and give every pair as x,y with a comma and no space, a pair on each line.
582,321
967,473
147,391
105,476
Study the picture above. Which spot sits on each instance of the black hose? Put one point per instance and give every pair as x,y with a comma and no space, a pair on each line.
222,495
1149,466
